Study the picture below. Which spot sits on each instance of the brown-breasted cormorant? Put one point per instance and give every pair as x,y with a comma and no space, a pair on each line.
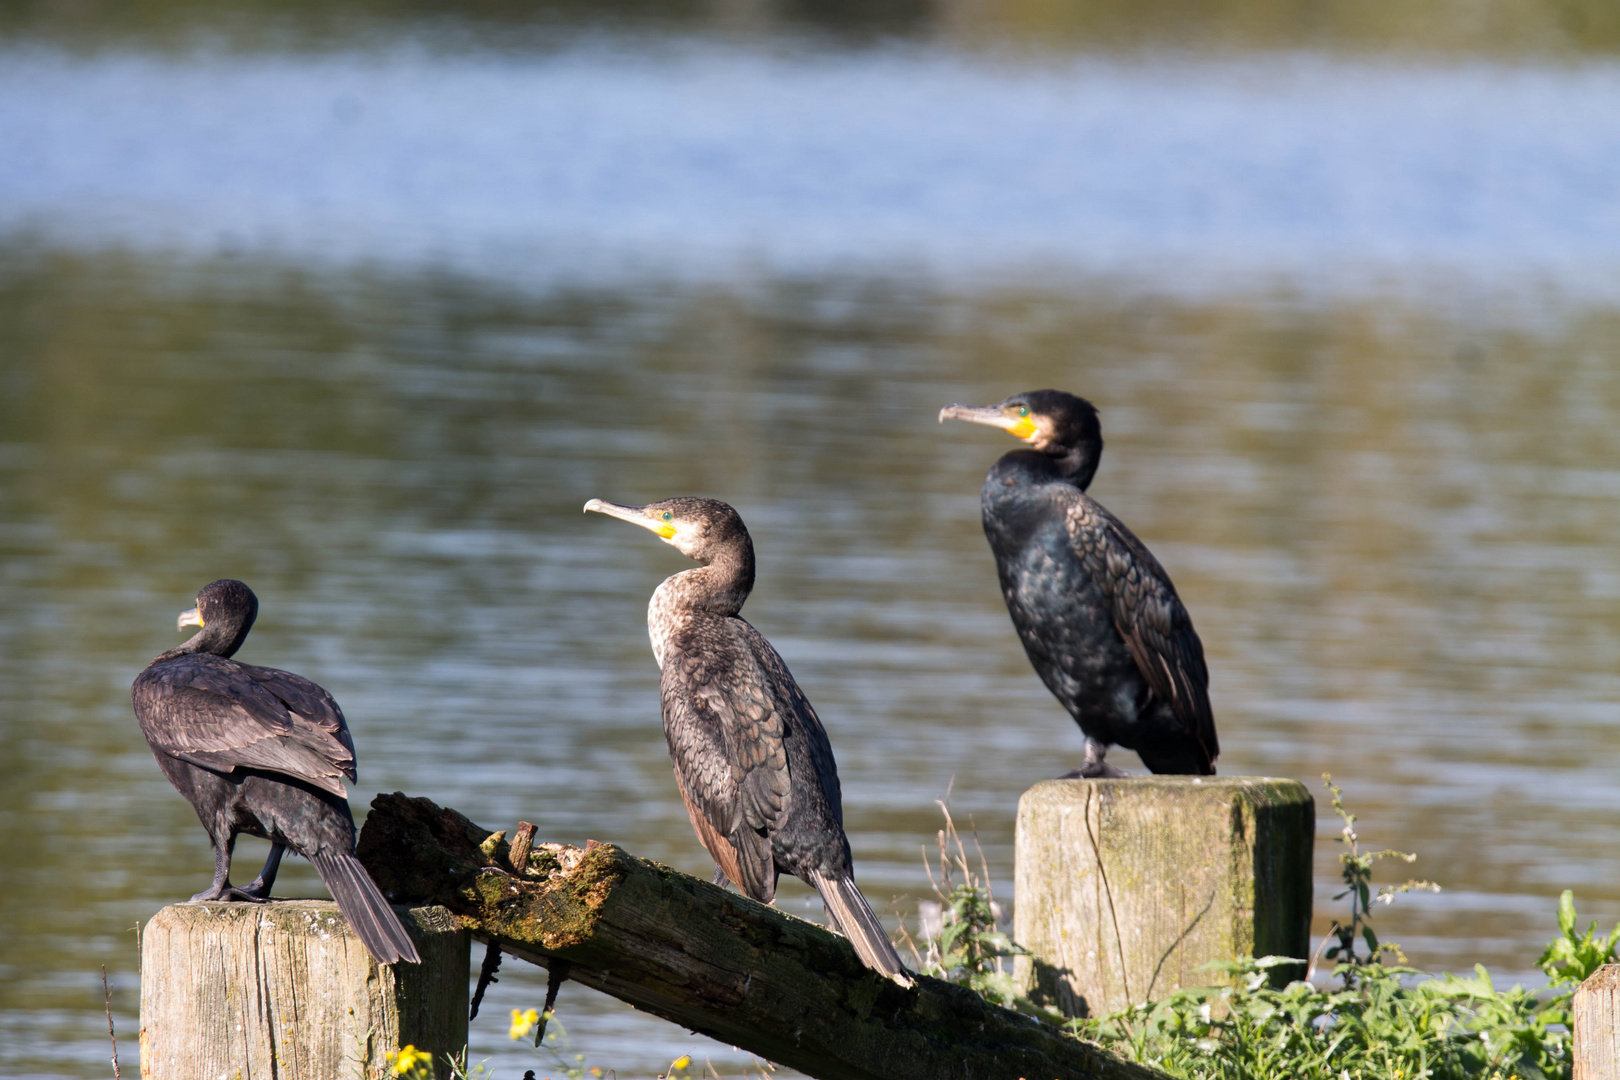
1096,612
751,758
263,752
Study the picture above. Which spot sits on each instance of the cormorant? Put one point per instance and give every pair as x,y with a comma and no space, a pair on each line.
263,752
751,758
1096,612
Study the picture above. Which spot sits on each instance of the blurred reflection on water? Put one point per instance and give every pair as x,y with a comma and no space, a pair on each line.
367,328
692,161
1495,27
1393,526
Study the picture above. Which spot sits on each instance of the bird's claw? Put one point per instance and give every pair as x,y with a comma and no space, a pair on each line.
229,893
1096,764
257,891
1093,771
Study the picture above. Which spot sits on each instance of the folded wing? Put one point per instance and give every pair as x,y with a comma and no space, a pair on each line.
726,740
223,716
1150,617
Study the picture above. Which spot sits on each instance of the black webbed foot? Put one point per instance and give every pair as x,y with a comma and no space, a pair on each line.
1095,765
229,892
1089,771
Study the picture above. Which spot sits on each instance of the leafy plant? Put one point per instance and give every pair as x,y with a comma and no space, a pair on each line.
1571,958
1386,1022
1355,868
962,939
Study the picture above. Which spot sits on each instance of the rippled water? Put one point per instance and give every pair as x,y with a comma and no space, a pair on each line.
367,328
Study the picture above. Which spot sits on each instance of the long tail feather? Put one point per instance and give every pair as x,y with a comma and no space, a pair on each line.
364,905
856,920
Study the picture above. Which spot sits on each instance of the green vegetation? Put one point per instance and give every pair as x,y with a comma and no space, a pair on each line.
1383,1022
961,942
1356,870
1377,1019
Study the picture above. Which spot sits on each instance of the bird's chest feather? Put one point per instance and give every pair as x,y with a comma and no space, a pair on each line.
1043,579
1058,606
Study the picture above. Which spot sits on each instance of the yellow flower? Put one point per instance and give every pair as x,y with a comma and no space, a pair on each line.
523,1022
681,1062
407,1058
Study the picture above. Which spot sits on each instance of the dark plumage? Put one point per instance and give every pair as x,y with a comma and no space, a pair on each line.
262,752
1096,612
751,758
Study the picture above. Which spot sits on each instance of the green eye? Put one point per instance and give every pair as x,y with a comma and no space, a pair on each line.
669,515
1023,410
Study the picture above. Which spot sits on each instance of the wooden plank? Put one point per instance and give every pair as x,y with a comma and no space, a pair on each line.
711,960
1597,1025
1127,887
285,989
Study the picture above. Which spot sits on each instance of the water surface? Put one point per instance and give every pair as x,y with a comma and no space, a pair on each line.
365,327
691,161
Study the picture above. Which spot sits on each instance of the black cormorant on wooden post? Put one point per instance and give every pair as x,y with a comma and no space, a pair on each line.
1096,612
751,758
263,752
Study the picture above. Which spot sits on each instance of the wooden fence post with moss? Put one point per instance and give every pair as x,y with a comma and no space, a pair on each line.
285,990
1126,888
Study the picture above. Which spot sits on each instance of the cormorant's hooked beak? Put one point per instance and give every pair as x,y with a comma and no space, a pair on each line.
635,515
1022,427
190,618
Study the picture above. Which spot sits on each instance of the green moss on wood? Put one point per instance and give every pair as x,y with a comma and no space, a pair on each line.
714,961
495,848
543,863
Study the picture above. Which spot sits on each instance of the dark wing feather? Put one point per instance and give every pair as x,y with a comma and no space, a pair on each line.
1149,616
791,699
308,701
223,716
725,739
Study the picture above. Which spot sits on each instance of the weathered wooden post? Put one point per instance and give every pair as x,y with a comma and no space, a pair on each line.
1597,1032
1126,887
286,990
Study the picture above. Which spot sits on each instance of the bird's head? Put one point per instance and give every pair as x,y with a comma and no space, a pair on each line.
225,612
697,528
1056,423
1049,420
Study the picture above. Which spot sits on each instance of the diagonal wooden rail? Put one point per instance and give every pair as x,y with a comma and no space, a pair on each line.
711,960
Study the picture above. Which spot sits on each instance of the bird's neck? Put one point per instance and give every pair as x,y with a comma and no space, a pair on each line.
220,640
1075,464
720,587
717,588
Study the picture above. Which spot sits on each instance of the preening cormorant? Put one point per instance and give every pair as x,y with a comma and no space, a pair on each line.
751,758
1096,612
263,752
